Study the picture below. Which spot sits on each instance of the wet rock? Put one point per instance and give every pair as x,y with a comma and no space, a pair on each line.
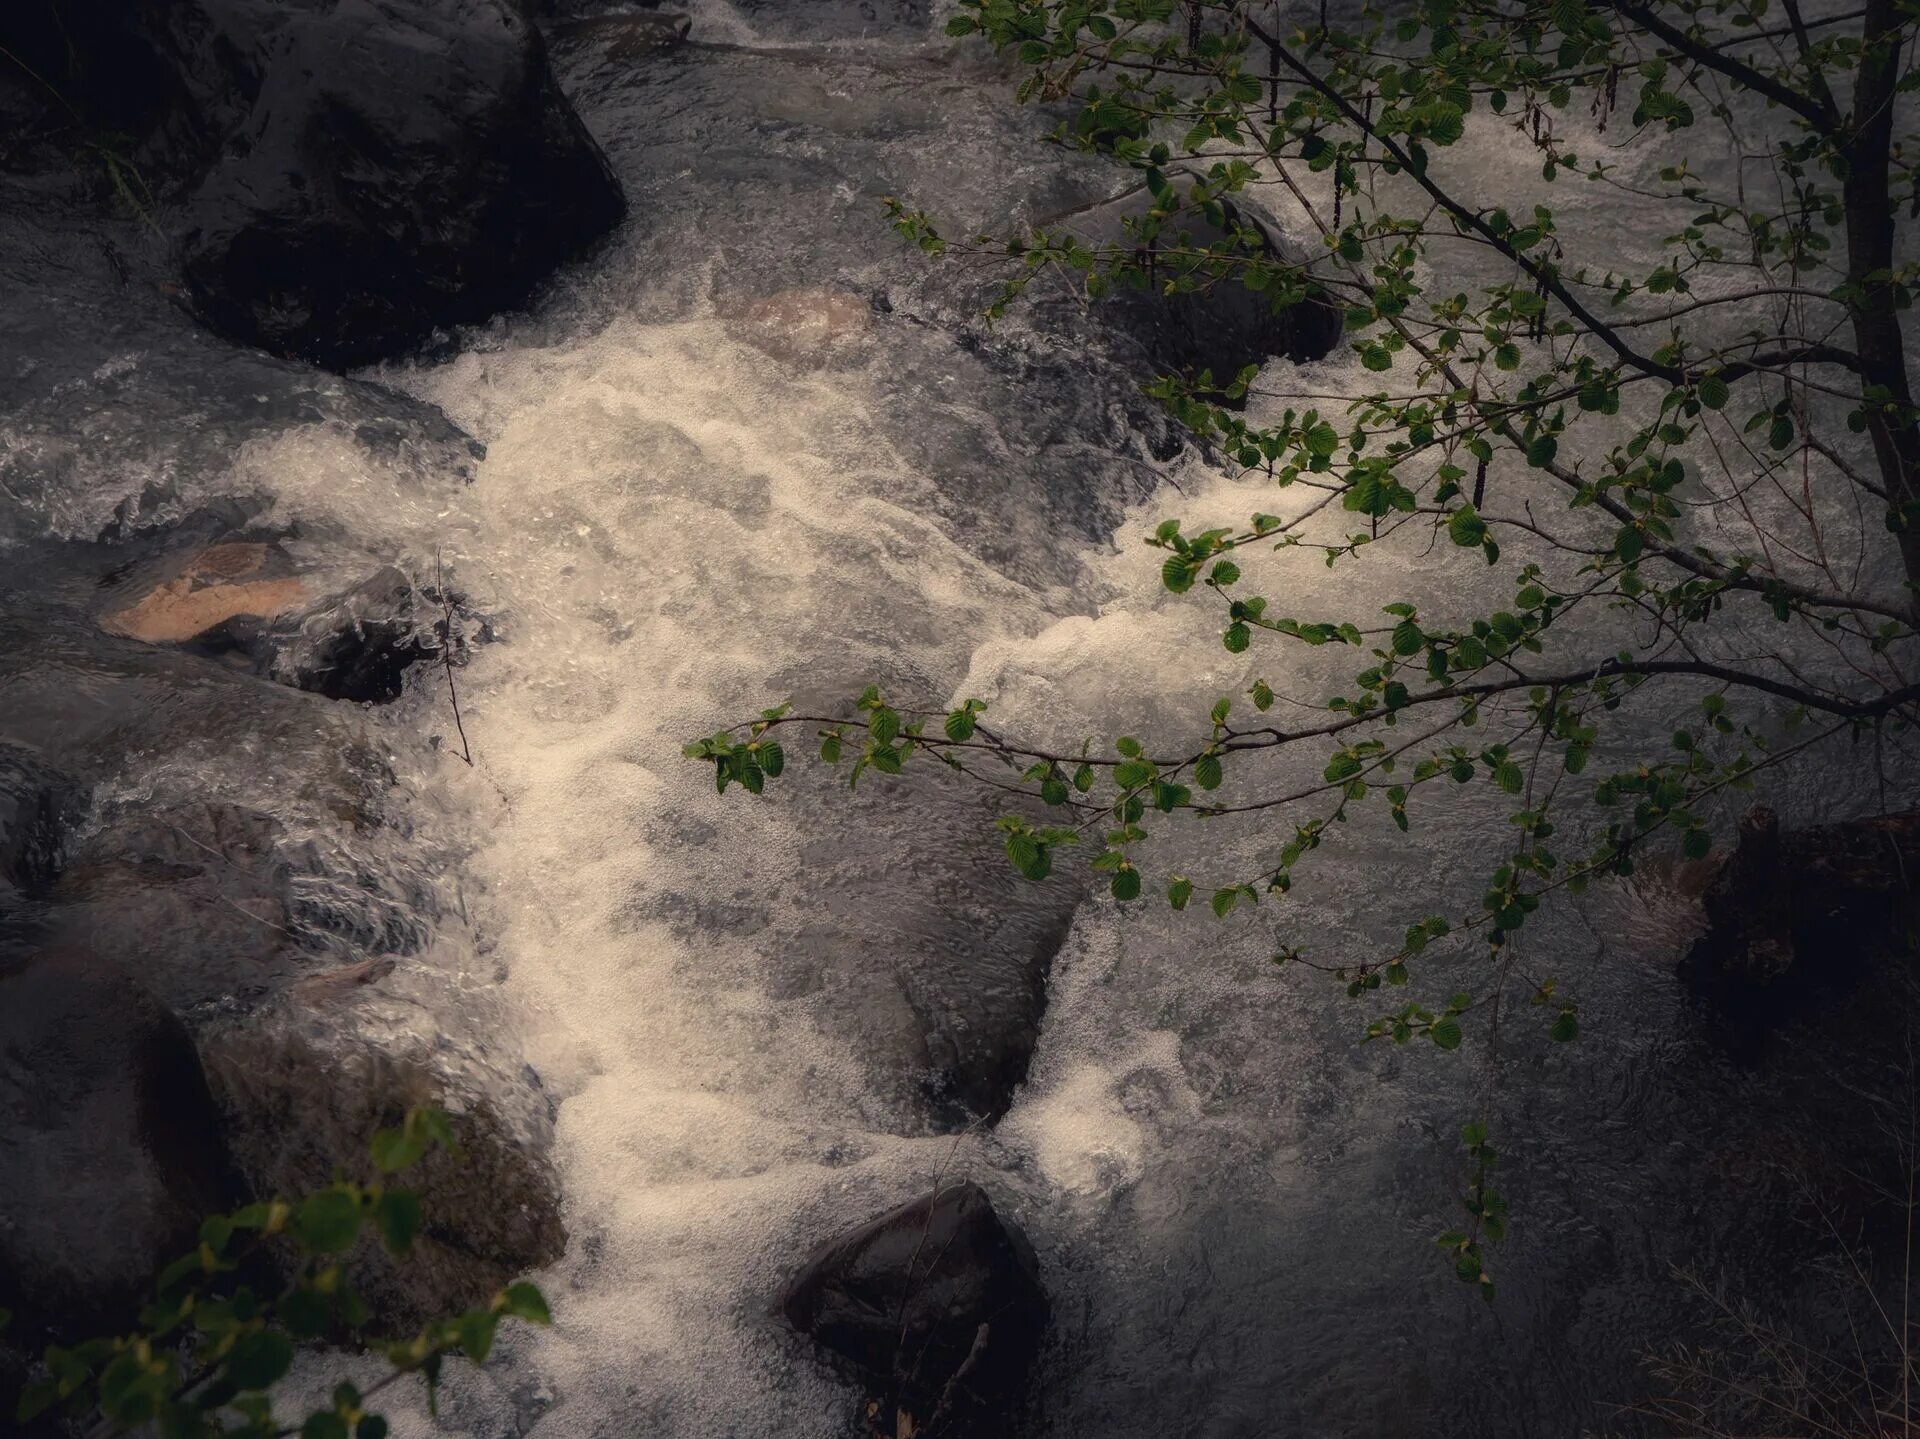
357,645
197,899
620,33
406,166
1221,327
109,1143
301,1092
138,72
354,175
220,583
1790,909
37,804
937,950
936,1304
240,602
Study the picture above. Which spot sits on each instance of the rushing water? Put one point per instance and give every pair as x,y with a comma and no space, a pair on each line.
752,450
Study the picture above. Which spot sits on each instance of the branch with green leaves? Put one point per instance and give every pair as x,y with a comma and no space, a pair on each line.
1699,464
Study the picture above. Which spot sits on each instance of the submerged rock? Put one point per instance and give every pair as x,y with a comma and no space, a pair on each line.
936,1304
802,326
110,1149
1219,327
933,952
624,33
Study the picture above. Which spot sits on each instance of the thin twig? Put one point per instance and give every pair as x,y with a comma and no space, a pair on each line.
446,656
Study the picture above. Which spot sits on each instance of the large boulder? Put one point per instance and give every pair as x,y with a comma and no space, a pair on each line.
301,1092
287,1004
936,1305
406,166
349,176
109,1143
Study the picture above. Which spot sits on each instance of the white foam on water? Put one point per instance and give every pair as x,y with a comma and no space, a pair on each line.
669,527
664,519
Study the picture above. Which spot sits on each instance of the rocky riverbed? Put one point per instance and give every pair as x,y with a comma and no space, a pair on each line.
556,359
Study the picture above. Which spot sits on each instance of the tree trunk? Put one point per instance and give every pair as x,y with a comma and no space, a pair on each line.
1876,323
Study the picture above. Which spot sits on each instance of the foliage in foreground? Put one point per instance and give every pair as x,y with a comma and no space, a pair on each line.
1717,443
221,1329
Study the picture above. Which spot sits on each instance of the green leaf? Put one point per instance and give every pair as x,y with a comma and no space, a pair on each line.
525,1301
1446,1034
959,725
1566,1026
1465,527
36,1399
475,1330
306,1312
325,1424
773,759
1223,901
1713,392
1237,638
260,1360
884,724
1179,892
1126,884
395,1149
397,1218
329,1221
373,1426
1207,773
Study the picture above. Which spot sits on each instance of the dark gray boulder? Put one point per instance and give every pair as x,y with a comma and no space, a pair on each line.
405,167
110,1147
344,178
936,1305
